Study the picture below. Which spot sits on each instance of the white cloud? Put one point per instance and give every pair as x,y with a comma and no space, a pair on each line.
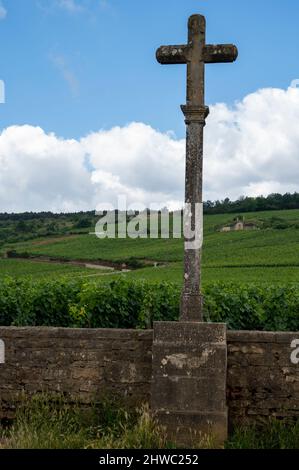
70,78
3,11
87,8
40,171
137,161
73,6
251,148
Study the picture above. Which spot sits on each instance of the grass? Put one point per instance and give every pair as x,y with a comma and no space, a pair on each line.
44,423
172,272
274,434
91,248
245,275
19,268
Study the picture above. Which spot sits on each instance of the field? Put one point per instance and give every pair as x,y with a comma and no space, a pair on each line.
19,268
174,273
268,255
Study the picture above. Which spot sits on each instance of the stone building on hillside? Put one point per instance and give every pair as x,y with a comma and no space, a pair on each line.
238,225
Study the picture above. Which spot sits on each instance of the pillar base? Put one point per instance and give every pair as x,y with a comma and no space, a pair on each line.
188,395
191,307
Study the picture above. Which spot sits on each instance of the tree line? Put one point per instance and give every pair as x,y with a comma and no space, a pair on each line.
82,219
273,202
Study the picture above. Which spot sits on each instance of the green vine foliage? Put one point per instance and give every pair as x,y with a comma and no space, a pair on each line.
137,304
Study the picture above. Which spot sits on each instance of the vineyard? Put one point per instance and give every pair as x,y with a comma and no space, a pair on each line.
266,255
136,304
249,278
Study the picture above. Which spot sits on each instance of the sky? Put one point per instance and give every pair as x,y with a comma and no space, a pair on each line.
90,115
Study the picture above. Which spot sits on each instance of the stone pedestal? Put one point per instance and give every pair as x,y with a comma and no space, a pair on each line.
188,394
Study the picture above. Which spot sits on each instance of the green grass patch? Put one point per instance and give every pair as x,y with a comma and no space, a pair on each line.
50,423
90,247
44,422
273,434
19,268
173,272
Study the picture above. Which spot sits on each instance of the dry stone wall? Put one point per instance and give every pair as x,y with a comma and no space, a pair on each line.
83,364
262,376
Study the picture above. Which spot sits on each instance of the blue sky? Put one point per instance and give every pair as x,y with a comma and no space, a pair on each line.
72,71
88,108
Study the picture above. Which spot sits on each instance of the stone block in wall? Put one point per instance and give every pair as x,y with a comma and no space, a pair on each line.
188,394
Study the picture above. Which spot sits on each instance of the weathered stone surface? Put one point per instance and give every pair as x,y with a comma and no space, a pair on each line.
81,363
262,381
195,54
194,427
261,336
189,334
203,356
188,391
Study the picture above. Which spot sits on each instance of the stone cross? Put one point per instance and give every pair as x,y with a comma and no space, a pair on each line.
195,54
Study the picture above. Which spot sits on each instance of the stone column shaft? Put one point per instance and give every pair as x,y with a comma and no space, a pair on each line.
191,300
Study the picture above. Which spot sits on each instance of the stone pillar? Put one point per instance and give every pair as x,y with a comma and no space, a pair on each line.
191,299
188,394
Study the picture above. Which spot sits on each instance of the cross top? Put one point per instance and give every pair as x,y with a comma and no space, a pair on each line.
195,54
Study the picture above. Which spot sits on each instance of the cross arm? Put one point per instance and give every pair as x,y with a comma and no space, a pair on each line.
211,53
219,53
172,54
